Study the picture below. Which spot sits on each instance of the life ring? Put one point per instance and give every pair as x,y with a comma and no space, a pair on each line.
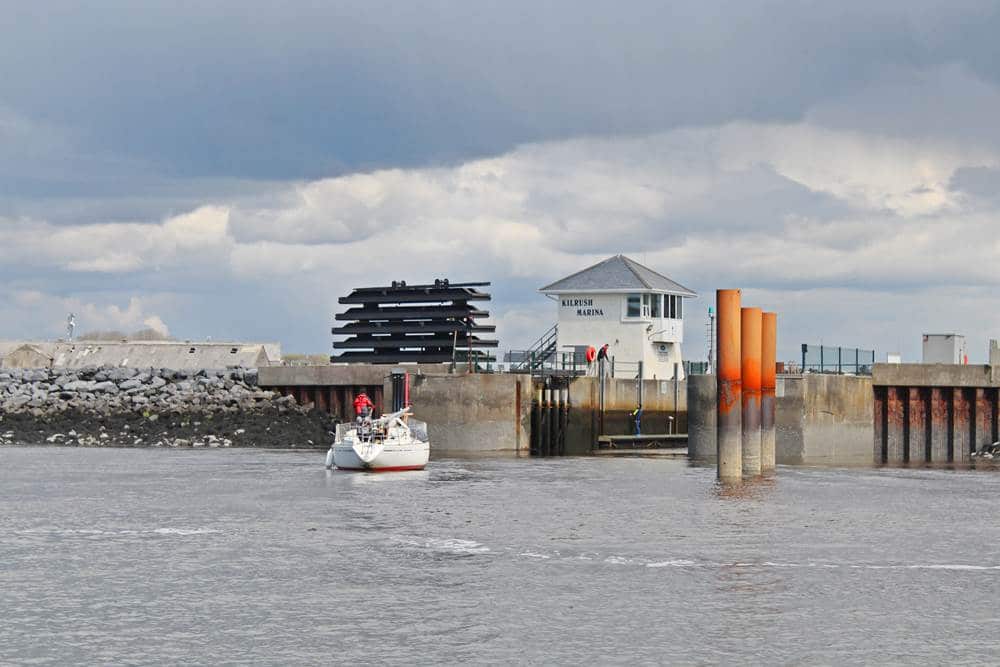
591,353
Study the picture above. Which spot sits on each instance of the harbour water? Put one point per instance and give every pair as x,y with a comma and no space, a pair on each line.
168,557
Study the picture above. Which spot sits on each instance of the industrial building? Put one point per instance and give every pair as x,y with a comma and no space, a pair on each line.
636,311
945,349
177,355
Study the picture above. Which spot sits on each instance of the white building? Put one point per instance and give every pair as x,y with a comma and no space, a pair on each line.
945,349
638,312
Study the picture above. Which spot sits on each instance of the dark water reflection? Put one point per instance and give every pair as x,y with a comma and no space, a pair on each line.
145,556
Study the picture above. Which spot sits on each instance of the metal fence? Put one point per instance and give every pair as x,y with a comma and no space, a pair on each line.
575,363
839,360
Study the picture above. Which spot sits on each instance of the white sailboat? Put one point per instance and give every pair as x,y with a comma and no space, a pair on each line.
394,441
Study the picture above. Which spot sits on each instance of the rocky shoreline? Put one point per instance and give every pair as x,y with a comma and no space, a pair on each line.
127,407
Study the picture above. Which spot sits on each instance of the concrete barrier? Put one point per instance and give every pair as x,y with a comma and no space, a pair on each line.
702,412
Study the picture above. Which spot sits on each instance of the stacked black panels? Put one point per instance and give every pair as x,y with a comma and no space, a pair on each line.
413,323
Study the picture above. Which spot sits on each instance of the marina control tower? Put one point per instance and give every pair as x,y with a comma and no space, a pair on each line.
638,312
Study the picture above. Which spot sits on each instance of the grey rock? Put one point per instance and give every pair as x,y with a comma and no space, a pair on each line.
79,385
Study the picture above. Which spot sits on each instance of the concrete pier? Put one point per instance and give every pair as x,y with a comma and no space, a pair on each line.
750,336
768,384
819,419
729,387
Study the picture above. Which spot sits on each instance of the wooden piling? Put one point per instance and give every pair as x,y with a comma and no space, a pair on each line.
563,419
729,420
536,424
553,422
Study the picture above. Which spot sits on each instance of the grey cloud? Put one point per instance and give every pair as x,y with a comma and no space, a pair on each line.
982,182
303,90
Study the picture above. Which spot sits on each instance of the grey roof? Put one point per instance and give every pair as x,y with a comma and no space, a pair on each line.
618,273
176,355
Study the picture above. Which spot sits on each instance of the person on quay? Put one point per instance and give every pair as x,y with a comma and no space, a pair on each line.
603,354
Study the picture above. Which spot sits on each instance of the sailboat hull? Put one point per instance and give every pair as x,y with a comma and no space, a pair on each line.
393,457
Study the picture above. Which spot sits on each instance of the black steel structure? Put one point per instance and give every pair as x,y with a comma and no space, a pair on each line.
403,323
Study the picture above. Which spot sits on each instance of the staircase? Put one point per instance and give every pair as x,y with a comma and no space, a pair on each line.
534,358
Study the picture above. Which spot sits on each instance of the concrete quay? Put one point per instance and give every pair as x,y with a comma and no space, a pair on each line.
487,413
819,419
465,412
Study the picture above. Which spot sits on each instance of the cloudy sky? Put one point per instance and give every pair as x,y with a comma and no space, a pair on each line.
228,169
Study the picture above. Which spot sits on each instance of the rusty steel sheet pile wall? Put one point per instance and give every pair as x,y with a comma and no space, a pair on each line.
934,413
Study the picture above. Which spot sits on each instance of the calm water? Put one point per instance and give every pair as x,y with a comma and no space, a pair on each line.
170,557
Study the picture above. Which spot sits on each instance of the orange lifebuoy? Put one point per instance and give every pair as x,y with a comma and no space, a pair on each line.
591,353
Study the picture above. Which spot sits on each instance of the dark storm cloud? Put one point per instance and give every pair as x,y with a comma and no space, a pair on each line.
303,89
230,168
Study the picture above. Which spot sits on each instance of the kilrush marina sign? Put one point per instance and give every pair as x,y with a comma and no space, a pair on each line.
584,307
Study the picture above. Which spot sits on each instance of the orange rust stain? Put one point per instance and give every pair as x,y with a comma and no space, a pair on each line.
769,352
894,405
728,322
750,348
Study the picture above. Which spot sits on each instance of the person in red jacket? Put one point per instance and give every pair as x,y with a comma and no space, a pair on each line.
363,405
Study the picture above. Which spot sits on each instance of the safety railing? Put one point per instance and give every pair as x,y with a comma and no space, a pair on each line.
837,360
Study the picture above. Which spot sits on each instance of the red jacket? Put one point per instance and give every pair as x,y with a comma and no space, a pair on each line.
362,402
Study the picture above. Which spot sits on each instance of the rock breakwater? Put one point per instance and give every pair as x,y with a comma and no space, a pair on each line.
127,407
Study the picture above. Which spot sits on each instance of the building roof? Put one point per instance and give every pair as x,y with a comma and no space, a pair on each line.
176,355
617,274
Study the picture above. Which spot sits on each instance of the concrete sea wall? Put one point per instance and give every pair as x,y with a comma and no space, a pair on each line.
465,412
154,407
474,413
820,419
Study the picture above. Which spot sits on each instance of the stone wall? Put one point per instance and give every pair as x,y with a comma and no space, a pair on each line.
154,407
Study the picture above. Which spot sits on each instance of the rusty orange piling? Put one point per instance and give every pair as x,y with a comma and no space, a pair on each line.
729,378
750,355
768,386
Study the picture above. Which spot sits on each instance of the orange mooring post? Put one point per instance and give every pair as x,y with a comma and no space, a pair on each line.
750,333
768,383
727,304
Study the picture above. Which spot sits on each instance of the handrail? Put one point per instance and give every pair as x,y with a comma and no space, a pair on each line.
545,338
539,352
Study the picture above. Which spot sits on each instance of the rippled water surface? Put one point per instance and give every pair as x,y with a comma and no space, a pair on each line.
169,557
